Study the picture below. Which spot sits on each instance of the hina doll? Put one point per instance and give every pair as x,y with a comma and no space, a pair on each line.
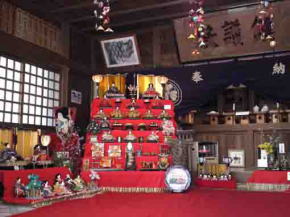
117,114
153,137
130,137
108,137
100,115
93,184
148,115
59,186
68,182
133,114
105,124
19,188
79,184
164,115
46,189
150,93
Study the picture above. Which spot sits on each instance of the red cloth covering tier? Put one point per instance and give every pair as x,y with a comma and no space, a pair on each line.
129,179
124,133
142,107
269,177
231,184
8,179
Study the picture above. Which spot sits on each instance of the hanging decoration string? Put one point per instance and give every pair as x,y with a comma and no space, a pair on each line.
197,26
264,23
101,12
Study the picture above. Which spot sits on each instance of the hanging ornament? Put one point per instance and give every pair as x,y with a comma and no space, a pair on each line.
102,14
264,23
196,25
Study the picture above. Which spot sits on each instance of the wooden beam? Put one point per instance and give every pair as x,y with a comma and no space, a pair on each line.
133,10
174,15
87,4
144,20
73,7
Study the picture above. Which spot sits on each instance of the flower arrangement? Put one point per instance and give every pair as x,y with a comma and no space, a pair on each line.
267,146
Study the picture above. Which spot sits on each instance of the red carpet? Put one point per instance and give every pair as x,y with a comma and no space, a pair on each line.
199,203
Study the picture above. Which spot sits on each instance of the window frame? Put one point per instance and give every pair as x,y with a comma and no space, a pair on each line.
21,93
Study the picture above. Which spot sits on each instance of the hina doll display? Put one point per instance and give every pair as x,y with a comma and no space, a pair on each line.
19,188
79,184
130,137
46,189
117,114
100,114
133,114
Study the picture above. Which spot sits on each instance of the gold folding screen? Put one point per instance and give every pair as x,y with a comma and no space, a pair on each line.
144,80
26,140
106,83
6,136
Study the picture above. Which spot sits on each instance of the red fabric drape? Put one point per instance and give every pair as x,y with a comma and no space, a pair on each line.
129,179
232,184
269,177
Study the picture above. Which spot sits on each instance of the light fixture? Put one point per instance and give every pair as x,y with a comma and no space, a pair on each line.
97,79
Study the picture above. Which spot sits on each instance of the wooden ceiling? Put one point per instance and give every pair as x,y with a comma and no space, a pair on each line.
125,14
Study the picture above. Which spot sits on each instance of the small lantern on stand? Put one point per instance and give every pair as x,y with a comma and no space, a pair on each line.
97,79
163,81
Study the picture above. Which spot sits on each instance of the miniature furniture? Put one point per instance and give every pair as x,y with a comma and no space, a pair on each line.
260,118
229,118
275,116
213,118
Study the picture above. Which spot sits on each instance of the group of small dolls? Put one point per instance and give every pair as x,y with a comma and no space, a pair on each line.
37,189
222,177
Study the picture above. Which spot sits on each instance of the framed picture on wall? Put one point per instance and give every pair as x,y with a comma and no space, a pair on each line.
119,52
237,156
76,97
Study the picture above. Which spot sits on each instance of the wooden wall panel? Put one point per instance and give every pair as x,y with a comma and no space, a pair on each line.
246,137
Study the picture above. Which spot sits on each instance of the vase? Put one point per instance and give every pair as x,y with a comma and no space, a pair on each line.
270,161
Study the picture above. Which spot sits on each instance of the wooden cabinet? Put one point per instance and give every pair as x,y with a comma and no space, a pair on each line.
246,137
